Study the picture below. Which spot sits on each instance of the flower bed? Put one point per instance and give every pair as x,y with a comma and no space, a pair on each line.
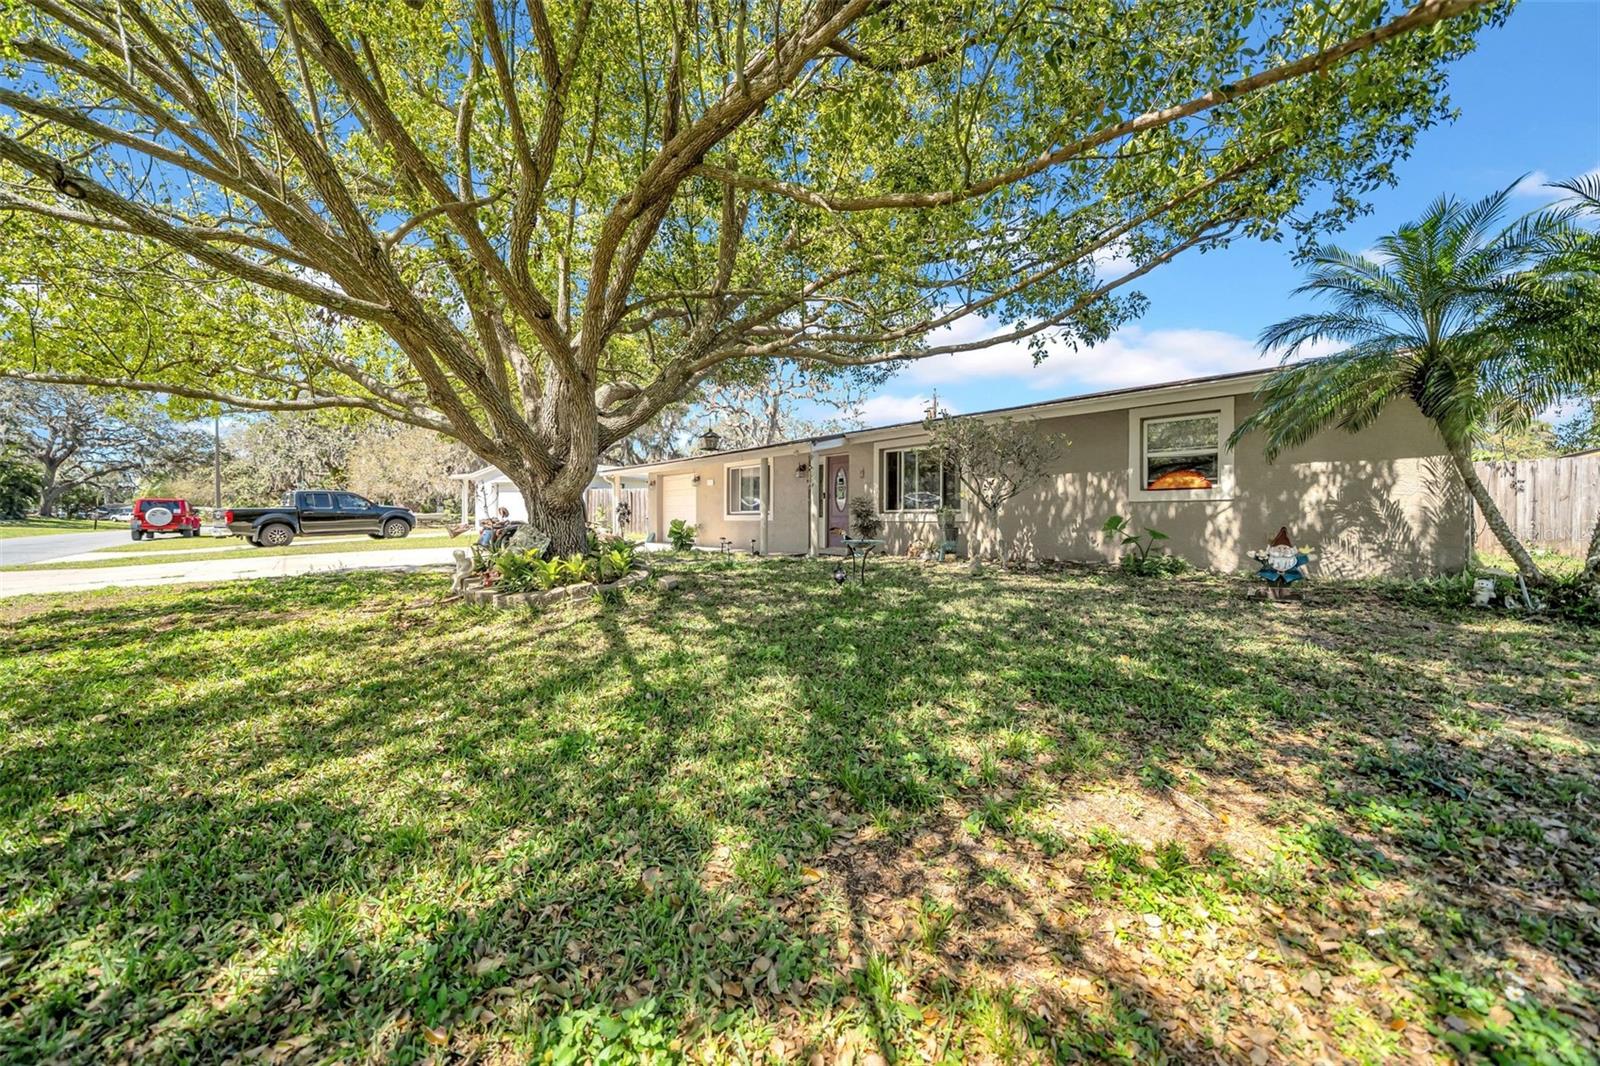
521,575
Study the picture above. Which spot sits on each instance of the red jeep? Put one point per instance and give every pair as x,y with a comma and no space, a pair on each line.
163,516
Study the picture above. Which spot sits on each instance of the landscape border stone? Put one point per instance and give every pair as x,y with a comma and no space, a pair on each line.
507,601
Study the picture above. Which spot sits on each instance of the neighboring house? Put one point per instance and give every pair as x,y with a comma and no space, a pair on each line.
1385,501
485,491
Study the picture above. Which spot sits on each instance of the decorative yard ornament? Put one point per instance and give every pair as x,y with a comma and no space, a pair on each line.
839,575
462,574
1282,564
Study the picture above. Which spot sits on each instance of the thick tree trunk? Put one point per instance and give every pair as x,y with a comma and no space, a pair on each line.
563,521
1530,571
49,490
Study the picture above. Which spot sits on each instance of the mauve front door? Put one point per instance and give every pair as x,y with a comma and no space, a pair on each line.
837,490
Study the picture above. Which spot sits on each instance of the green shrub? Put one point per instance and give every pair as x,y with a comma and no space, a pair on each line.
1572,599
19,486
575,569
616,562
548,573
1160,565
1447,593
864,520
681,535
1141,561
520,570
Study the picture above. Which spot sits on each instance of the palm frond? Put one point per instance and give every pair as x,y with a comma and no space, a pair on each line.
1303,399
1585,189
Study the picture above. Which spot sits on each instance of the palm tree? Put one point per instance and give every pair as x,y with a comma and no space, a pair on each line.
1569,297
1425,317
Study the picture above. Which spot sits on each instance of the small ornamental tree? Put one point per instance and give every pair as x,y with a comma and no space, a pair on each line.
995,458
533,227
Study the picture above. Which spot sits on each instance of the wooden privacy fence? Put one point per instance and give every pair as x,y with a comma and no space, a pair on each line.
1549,503
598,503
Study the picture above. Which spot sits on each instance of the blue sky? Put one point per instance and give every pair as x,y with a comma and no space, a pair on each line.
1529,102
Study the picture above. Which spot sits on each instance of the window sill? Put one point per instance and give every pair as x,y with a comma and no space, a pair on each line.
753,516
1181,496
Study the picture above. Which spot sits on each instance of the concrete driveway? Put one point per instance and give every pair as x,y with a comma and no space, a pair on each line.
25,582
42,549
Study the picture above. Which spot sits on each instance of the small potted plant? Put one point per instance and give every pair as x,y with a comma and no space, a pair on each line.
864,520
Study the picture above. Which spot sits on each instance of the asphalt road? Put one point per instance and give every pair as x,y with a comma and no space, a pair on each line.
18,550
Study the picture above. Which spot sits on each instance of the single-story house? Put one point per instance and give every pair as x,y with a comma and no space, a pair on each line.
1385,501
486,490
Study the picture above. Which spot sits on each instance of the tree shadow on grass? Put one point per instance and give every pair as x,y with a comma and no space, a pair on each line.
502,823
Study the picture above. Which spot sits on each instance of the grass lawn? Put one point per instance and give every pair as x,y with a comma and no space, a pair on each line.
153,552
1013,818
1553,563
43,527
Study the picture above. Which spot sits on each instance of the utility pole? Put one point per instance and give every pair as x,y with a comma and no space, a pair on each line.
216,463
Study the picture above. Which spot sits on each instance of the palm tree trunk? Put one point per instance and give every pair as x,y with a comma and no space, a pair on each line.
1461,455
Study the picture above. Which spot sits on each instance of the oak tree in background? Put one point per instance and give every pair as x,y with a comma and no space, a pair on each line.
532,226
81,439
406,465
778,400
761,402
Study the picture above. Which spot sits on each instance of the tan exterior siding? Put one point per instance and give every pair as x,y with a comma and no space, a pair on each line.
786,499
1381,502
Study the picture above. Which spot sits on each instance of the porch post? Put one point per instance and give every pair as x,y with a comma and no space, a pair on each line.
814,483
766,502
466,491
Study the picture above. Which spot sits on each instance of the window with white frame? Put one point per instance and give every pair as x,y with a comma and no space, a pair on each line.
744,489
1182,452
918,479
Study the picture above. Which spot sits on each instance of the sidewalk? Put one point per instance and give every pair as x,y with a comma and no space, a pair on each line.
23,582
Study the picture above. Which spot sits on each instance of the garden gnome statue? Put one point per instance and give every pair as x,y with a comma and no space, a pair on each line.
1282,563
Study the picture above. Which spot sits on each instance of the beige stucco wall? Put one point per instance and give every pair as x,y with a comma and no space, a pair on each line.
1381,502
787,497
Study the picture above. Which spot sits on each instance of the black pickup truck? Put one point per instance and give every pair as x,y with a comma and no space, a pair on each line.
310,512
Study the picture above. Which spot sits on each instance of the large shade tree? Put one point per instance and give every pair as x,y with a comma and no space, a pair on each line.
533,224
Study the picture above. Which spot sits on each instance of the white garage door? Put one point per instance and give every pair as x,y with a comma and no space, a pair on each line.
511,500
677,500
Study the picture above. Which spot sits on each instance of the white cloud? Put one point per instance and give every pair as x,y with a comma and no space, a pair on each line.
1536,186
1533,184
1133,356
1113,261
886,410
